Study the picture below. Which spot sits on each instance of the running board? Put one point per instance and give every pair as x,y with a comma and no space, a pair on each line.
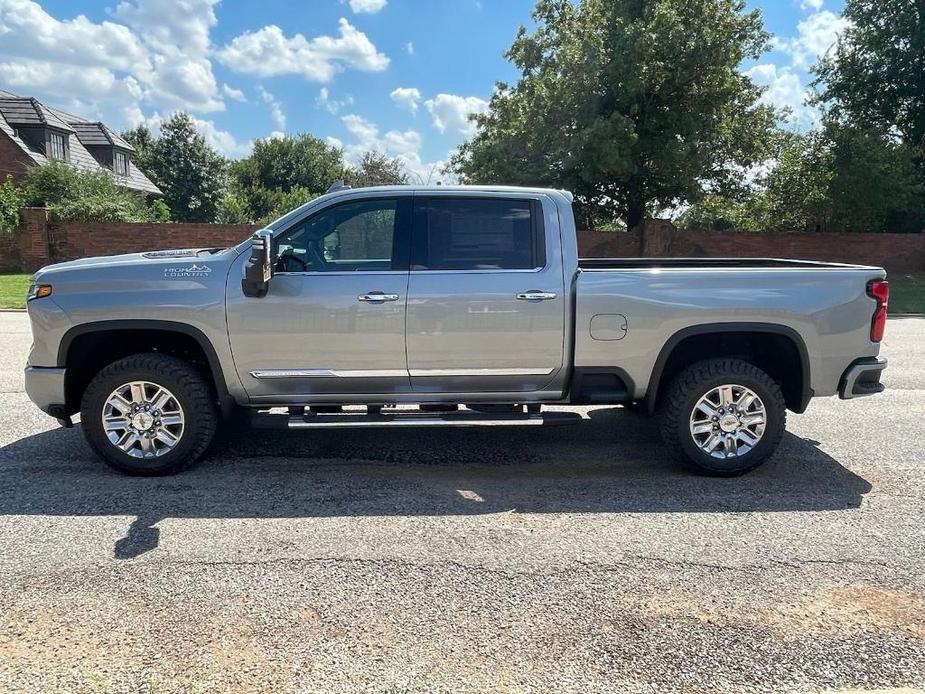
415,419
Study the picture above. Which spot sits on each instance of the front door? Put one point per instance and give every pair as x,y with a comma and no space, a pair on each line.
333,321
486,295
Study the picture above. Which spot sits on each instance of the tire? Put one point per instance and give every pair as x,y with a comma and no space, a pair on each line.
188,421
732,434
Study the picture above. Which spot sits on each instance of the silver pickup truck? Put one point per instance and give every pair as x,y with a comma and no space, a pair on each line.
446,306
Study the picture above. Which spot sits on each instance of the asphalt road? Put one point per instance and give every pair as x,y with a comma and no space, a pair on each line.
577,559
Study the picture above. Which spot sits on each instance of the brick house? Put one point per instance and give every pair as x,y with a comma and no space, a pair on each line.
32,134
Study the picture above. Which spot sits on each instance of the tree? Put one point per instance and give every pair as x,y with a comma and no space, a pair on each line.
190,173
11,201
376,169
875,77
279,165
634,105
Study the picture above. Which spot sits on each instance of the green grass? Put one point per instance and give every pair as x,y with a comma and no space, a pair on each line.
13,290
907,293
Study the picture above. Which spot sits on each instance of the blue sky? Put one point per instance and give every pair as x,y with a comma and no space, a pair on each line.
398,76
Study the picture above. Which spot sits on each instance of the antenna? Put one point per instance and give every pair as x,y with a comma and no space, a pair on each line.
336,186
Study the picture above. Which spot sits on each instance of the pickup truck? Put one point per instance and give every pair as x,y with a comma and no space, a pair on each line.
442,306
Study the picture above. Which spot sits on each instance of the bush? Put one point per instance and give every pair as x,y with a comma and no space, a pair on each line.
11,200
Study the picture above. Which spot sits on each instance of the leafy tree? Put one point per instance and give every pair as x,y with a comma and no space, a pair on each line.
377,169
634,105
85,196
280,165
190,173
875,77
11,200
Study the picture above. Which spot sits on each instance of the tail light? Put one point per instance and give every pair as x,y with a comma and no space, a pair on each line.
879,290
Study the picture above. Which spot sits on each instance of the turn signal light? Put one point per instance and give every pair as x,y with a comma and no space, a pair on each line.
39,291
879,290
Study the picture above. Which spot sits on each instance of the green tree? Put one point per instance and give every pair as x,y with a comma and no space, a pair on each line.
634,105
191,174
875,76
280,165
377,169
11,201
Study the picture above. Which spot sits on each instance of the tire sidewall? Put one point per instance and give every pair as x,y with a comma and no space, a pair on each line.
91,420
773,425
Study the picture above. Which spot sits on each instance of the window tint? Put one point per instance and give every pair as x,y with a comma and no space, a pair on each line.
352,237
476,234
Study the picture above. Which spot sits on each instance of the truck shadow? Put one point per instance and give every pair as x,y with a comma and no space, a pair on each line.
610,464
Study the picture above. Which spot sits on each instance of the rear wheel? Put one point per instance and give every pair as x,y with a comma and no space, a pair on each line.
723,416
149,414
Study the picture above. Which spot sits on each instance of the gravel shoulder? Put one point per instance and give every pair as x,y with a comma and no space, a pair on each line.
578,559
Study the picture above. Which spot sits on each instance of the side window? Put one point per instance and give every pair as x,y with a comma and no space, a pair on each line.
477,234
353,237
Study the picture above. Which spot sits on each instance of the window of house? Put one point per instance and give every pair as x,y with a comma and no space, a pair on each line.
477,234
56,147
120,163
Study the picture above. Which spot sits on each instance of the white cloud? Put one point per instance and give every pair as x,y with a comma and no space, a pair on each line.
784,90
814,5
407,98
276,108
366,6
330,105
405,146
267,52
815,35
232,93
451,112
222,140
409,48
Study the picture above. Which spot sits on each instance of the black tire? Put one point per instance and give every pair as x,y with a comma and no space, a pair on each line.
190,389
685,391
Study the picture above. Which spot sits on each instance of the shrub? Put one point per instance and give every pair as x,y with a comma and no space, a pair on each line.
11,200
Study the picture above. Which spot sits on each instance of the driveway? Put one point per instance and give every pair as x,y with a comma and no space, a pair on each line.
577,559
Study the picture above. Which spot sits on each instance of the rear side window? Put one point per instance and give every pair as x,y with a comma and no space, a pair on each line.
477,234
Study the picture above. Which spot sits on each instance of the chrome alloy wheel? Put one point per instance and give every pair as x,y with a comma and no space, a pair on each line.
728,421
143,419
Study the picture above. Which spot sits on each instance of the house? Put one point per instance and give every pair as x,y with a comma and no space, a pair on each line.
32,133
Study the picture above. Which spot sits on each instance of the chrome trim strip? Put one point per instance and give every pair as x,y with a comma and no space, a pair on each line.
262,374
482,372
352,422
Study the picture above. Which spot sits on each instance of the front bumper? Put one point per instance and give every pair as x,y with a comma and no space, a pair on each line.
45,387
862,378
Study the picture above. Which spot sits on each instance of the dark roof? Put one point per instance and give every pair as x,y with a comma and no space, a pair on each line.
98,135
80,157
20,111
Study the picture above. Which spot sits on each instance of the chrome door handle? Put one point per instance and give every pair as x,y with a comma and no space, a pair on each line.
377,297
534,295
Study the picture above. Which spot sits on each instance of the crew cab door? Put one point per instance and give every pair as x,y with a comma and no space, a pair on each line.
333,321
486,295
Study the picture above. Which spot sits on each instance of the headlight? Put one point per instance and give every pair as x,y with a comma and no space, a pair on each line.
38,291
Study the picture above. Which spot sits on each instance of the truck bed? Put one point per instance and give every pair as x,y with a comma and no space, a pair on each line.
591,264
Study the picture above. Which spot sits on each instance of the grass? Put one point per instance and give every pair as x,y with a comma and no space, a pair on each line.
907,293
13,290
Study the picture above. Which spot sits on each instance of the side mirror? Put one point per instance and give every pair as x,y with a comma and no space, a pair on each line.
259,267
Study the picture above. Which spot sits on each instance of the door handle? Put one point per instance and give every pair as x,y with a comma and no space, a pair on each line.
534,295
377,297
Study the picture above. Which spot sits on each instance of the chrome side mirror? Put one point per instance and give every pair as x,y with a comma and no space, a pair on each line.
259,267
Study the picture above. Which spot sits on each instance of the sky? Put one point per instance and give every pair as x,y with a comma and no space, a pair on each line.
396,76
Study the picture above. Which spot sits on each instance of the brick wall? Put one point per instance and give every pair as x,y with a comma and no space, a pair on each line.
42,241
13,161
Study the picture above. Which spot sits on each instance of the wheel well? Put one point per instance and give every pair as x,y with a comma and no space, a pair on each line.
88,353
778,354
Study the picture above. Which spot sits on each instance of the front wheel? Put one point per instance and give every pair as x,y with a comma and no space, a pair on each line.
149,414
723,416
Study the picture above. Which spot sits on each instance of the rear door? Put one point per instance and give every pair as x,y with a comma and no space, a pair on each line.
486,295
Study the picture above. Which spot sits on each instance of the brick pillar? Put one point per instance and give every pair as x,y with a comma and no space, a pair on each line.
657,235
33,238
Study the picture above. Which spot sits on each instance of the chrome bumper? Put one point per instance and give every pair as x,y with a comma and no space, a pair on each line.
862,378
45,387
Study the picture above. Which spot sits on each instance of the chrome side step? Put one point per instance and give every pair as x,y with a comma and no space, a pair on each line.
415,419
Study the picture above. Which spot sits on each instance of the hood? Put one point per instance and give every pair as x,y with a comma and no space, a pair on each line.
186,262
